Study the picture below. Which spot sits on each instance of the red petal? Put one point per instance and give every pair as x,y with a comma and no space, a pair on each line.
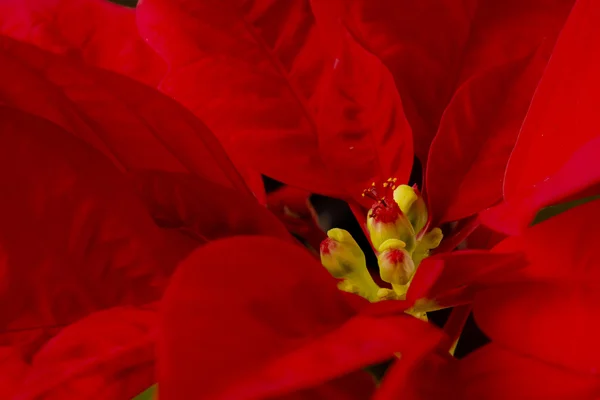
559,249
564,102
432,46
268,64
260,63
107,355
484,238
203,209
74,238
420,43
497,374
355,386
550,313
554,322
132,124
12,370
281,352
560,125
97,31
363,133
468,156
577,178
451,273
490,373
430,377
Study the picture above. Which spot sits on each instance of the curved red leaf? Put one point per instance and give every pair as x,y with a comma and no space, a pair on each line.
99,32
259,62
420,43
202,209
107,355
249,284
547,309
572,260
132,124
264,62
444,277
13,369
431,47
494,373
355,386
559,125
491,372
74,237
553,322
429,377
364,134
477,133
562,114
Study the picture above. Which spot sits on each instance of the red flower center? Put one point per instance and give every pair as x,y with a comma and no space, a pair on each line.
384,209
395,256
326,246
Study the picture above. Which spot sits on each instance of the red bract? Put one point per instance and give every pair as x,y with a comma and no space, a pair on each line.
140,130
114,114
478,129
76,238
108,39
466,72
491,372
109,354
477,132
520,311
255,317
262,76
97,31
556,153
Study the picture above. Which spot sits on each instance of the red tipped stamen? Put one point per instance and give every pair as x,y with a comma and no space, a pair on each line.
326,246
395,256
383,209
387,188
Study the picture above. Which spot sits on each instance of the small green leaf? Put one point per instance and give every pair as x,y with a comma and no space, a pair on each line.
148,394
549,212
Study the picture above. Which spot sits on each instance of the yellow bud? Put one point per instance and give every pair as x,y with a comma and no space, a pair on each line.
385,221
429,241
395,263
432,239
340,254
386,294
413,205
344,259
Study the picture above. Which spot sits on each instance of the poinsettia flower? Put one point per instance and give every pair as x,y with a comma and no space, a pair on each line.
254,317
561,126
540,318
